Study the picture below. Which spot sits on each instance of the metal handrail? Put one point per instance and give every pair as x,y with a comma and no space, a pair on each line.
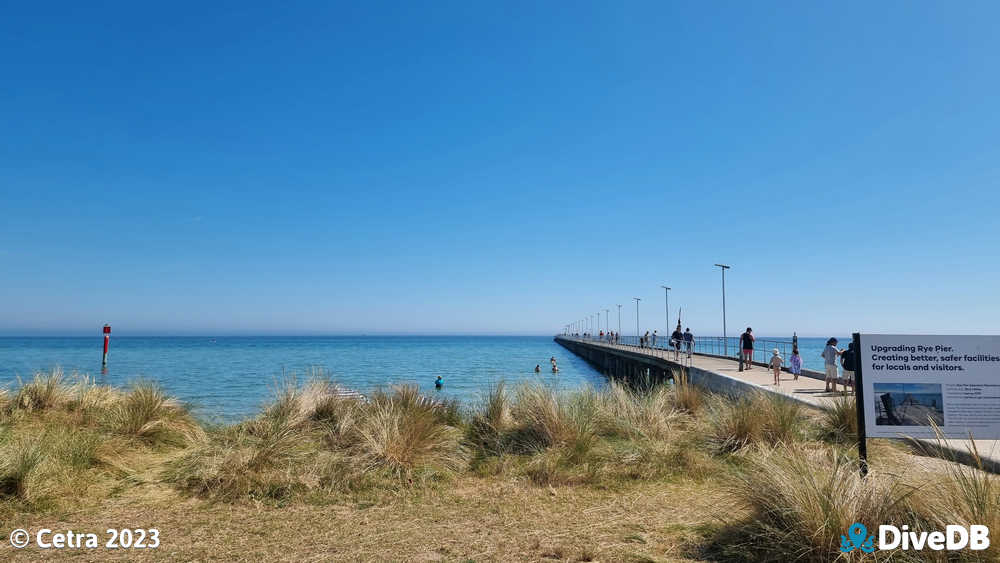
705,345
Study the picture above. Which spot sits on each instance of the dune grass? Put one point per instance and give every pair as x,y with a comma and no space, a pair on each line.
310,438
756,419
786,485
839,423
802,500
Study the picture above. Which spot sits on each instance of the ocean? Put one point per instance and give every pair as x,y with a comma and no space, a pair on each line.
229,378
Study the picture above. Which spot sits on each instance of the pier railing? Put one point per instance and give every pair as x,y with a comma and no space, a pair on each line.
710,345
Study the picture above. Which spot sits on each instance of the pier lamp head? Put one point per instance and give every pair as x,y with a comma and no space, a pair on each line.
723,266
107,329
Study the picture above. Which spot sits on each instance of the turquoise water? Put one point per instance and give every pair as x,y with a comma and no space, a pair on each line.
227,378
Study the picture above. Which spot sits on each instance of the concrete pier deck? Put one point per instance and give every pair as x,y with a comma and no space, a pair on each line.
723,375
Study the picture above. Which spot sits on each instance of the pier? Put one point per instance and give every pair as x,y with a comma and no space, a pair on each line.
721,374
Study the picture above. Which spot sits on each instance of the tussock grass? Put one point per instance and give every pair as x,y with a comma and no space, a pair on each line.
255,461
801,501
547,418
491,421
782,495
647,414
309,438
839,424
403,432
147,413
44,391
754,419
962,494
584,436
689,398
20,461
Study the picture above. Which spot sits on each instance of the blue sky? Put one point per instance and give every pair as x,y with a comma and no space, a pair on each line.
457,167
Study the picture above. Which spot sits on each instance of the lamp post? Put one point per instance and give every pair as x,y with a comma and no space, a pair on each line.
666,307
619,320
637,300
607,321
725,344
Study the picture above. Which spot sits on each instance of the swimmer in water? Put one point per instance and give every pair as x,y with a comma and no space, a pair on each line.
555,369
538,368
439,382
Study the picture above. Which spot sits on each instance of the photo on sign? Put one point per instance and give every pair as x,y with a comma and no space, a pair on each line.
908,404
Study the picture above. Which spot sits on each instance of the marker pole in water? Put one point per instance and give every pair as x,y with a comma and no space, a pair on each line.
107,338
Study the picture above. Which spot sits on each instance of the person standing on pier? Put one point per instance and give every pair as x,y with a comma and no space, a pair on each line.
689,341
654,339
829,355
847,360
746,343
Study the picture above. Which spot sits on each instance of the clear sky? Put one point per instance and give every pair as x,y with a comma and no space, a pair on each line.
501,167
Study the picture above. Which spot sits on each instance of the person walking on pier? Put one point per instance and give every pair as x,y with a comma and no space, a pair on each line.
829,355
776,362
675,340
688,341
746,343
654,339
795,363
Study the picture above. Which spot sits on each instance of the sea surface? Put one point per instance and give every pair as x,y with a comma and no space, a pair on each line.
229,378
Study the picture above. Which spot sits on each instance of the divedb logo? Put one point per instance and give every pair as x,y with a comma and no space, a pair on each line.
953,538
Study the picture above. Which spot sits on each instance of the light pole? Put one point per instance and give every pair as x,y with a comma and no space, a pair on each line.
666,306
619,320
725,344
637,300
607,321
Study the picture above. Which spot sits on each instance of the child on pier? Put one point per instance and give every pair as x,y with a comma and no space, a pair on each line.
795,363
776,362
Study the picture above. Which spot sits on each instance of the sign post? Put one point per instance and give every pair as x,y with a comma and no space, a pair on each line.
107,338
926,386
859,396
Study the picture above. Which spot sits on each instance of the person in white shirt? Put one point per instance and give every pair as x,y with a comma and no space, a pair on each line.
830,354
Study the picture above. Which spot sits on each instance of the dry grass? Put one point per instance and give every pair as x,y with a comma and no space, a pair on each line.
801,501
146,413
311,439
659,473
472,520
45,391
689,398
839,424
757,419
